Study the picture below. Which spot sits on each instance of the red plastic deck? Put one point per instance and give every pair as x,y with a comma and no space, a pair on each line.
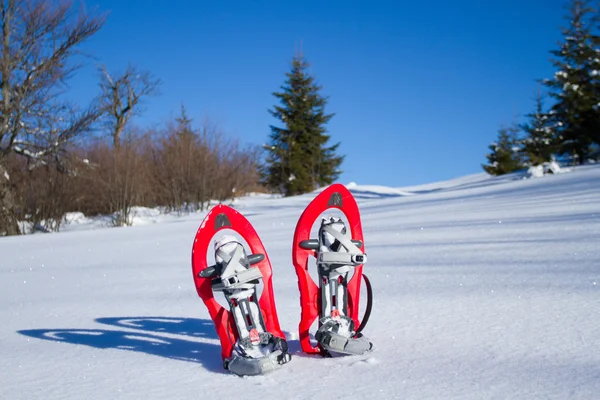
338,197
219,218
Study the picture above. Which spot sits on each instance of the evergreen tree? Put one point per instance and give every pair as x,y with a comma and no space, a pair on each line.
595,73
539,145
184,125
299,158
575,85
505,156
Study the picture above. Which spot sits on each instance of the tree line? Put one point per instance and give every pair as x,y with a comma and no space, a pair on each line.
58,157
568,130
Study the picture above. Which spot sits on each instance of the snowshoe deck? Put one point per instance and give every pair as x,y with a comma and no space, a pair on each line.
251,339
338,251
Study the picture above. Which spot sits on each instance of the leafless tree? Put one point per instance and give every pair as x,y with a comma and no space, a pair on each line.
118,179
122,95
193,166
38,40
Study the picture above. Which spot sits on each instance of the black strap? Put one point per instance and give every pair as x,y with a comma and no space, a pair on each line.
369,305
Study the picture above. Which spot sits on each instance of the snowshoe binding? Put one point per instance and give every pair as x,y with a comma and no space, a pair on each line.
251,340
339,251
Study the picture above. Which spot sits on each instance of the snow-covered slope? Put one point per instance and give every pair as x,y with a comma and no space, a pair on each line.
485,289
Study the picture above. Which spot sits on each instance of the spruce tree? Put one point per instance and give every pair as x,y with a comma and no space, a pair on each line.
595,73
539,144
574,86
505,156
299,158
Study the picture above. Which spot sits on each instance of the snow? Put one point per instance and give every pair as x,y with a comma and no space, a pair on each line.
484,288
365,191
554,168
463,181
538,171
535,171
28,153
571,86
144,215
561,74
139,216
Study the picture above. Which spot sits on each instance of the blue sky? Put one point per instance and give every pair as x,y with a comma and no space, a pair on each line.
419,89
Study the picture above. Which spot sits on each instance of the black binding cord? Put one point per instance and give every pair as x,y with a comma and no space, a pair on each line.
369,304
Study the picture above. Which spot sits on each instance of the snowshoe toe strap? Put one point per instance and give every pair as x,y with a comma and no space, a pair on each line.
353,255
313,244
342,258
237,281
214,270
234,269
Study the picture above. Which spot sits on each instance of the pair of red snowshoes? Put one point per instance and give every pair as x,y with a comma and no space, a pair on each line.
251,339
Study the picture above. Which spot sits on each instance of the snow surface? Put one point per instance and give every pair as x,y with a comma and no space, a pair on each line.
484,288
538,171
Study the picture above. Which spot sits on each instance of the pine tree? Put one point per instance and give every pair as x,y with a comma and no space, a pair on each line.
595,74
505,156
299,158
539,144
575,85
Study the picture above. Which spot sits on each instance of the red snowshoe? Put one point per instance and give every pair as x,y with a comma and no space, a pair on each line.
252,342
339,250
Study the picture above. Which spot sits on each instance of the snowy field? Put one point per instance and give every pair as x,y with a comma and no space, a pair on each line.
484,288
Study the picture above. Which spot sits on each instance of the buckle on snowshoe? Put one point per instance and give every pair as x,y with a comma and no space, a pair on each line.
351,259
251,276
359,258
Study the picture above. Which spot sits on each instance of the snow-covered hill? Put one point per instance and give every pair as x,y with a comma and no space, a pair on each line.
485,288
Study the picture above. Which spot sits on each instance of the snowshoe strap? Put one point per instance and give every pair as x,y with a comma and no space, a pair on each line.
277,354
236,272
232,263
342,258
246,279
354,256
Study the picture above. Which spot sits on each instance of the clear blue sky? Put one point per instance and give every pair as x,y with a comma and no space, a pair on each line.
418,88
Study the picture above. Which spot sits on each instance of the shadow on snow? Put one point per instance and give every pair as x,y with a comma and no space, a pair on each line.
144,337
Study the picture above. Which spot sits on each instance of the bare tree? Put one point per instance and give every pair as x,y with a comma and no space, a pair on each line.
119,179
38,40
122,95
